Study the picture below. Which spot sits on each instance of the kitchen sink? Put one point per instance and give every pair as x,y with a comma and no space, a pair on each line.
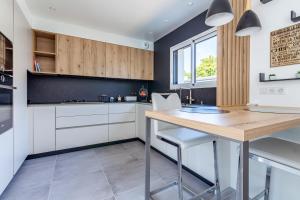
203,109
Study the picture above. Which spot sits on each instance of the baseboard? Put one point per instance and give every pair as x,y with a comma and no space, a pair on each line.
183,166
52,153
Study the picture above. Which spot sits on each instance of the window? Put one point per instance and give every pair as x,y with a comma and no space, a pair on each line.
194,62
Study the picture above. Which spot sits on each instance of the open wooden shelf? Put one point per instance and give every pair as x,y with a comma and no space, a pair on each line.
285,79
44,51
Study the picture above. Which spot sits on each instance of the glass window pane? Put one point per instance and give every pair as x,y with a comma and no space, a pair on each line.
182,65
206,59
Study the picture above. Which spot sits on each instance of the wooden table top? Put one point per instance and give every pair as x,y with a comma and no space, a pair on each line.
239,124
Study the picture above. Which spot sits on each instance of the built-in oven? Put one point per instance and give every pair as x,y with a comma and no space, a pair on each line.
6,84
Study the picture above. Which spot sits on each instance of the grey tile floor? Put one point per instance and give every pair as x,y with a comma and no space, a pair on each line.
107,173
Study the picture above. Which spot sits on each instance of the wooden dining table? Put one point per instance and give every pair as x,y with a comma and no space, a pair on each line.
239,124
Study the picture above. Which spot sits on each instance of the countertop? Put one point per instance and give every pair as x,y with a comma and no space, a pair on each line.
239,124
83,103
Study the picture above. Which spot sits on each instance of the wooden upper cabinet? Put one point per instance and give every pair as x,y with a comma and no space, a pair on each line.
93,58
2,51
117,61
141,64
69,58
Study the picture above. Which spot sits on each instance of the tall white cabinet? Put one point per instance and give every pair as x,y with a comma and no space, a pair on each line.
6,159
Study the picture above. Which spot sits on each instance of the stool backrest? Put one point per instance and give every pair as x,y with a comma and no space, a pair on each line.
159,103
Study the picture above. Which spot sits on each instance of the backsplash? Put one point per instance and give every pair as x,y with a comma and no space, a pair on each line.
56,89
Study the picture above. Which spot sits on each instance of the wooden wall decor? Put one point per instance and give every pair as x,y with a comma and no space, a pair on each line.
233,62
285,46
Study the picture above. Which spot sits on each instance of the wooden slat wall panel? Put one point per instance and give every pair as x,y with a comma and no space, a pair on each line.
233,62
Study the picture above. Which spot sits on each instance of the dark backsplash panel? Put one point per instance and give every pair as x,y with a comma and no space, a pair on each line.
162,59
56,89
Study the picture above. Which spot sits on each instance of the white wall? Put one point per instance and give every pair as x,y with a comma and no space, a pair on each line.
273,16
22,61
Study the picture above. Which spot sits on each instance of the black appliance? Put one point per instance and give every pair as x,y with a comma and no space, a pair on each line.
6,84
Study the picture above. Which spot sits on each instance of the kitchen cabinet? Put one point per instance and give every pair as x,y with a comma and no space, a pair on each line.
69,55
121,131
93,58
2,50
43,129
69,58
141,64
6,158
81,136
57,127
117,61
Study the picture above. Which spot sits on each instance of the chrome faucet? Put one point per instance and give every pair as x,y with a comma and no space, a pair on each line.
190,98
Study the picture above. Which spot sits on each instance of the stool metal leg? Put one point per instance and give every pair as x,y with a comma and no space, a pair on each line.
216,167
179,163
268,182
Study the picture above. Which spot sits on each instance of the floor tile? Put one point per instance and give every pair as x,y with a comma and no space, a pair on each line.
75,164
107,151
90,186
138,193
128,176
108,173
36,193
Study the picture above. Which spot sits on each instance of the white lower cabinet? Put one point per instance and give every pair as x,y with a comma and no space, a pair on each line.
76,137
43,129
6,159
121,131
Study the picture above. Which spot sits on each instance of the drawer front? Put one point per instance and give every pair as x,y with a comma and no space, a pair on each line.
65,122
122,108
77,110
76,137
124,117
121,131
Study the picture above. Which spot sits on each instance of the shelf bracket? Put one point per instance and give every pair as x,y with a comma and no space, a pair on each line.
294,17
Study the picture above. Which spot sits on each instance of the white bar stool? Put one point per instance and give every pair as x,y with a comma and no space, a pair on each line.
181,138
276,153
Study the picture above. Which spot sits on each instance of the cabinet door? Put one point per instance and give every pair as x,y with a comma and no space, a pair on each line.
117,61
76,137
69,58
6,159
121,131
44,129
93,58
141,64
149,65
2,51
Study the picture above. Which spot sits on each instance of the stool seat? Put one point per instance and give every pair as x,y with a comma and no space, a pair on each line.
186,138
277,150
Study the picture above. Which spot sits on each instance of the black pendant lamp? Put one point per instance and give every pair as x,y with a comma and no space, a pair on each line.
249,23
219,13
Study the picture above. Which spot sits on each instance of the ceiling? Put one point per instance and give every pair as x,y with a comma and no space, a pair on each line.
140,19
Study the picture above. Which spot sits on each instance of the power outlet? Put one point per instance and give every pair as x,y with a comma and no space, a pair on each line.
272,91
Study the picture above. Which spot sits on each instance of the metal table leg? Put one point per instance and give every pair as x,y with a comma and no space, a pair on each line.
243,176
147,158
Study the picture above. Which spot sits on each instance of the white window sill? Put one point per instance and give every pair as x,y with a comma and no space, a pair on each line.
200,84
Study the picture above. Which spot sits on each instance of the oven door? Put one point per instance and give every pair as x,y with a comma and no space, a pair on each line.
6,107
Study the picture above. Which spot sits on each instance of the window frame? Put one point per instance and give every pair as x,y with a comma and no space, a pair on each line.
208,83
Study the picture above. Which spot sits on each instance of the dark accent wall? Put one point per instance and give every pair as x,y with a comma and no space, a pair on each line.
56,89
162,59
